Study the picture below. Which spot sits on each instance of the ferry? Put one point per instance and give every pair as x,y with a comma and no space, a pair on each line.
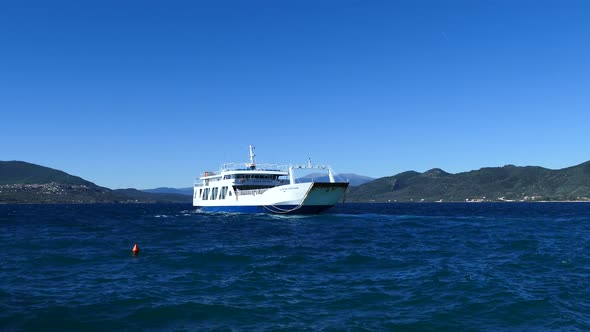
265,188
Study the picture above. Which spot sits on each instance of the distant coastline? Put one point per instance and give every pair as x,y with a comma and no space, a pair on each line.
26,183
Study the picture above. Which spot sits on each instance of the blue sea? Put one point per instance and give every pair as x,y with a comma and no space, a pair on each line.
440,266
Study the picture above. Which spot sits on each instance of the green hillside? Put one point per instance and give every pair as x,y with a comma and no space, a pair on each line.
20,172
22,182
508,183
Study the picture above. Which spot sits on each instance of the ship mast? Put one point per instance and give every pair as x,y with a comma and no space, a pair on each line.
251,164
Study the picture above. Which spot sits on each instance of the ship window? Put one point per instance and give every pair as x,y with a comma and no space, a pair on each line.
214,193
206,194
229,193
223,193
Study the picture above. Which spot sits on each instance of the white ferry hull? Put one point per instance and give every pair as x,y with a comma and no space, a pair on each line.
300,198
261,189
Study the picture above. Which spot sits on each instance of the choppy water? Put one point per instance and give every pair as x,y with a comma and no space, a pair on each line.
361,267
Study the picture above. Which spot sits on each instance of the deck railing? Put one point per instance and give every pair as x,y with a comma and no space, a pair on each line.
259,167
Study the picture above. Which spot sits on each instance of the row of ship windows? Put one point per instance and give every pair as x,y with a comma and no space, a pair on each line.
251,176
214,193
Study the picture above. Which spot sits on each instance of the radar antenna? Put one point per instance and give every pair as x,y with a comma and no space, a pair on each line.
252,164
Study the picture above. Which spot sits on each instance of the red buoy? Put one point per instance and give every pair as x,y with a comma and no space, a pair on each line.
135,249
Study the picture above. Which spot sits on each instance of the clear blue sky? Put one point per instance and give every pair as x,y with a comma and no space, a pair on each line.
145,94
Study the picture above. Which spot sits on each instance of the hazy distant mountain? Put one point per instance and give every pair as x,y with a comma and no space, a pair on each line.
508,183
353,179
22,182
134,194
167,190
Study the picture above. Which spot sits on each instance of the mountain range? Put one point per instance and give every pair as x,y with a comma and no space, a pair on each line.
22,182
507,183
